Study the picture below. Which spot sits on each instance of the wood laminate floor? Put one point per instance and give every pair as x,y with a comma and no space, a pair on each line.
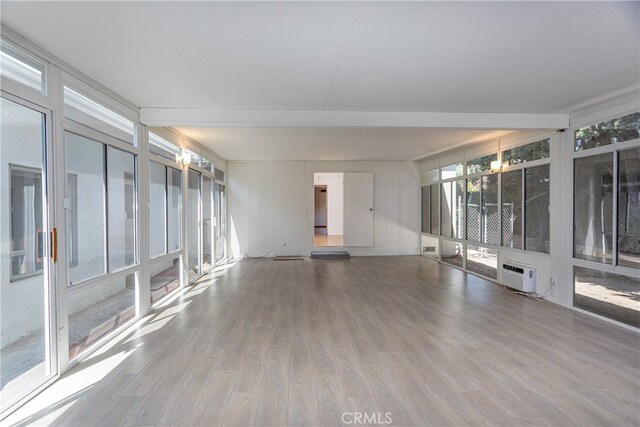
321,238
304,342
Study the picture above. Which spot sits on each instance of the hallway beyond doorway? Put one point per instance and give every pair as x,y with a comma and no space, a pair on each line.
320,238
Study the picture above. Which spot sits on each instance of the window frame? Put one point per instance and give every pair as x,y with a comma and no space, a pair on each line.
106,140
41,98
613,266
167,164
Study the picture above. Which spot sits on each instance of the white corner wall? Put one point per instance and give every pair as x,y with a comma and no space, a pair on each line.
271,206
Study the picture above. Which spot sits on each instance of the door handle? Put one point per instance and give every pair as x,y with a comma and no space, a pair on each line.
54,244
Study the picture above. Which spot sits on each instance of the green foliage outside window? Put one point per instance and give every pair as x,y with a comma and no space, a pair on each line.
621,129
481,164
526,153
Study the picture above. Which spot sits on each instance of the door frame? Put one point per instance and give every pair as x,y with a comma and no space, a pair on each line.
51,272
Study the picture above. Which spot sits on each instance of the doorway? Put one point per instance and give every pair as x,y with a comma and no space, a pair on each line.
27,318
328,222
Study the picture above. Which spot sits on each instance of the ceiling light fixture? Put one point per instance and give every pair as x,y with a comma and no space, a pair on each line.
183,158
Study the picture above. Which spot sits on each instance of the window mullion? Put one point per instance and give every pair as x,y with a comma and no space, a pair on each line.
105,176
614,215
523,201
166,210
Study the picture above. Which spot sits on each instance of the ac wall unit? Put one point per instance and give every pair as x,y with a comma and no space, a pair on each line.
520,277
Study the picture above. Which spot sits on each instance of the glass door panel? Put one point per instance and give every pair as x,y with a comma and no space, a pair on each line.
86,219
207,223
220,214
26,356
193,224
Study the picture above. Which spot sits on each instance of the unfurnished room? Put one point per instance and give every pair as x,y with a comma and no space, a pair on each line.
292,213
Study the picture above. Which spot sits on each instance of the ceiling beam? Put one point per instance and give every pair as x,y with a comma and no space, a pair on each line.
195,117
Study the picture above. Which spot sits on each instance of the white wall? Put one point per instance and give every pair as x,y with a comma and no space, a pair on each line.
335,201
271,206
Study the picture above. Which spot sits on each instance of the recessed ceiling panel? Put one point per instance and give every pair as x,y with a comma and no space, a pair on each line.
411,56
259,55
116,44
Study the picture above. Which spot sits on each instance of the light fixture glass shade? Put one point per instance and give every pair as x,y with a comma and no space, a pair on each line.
186,158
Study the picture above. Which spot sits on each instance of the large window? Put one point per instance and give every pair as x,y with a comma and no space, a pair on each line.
165,218
629,208
193,223
476,214
157,209
536,206
606,219
101,183
435,209
121,192
457,220
446,206
165,205
220,218
512,218
174,209
593,208
86,227
426,209
483,219
207,223
490,213
452,209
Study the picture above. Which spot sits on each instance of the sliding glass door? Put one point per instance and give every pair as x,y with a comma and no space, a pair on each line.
207,223
193,224
606,218
220,215
27,313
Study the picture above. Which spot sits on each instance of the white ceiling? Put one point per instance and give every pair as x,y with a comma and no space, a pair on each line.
457,57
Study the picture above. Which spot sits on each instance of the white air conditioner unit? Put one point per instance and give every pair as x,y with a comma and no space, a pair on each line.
520,277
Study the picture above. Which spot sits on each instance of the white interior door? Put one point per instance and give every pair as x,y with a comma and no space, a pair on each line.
358,209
